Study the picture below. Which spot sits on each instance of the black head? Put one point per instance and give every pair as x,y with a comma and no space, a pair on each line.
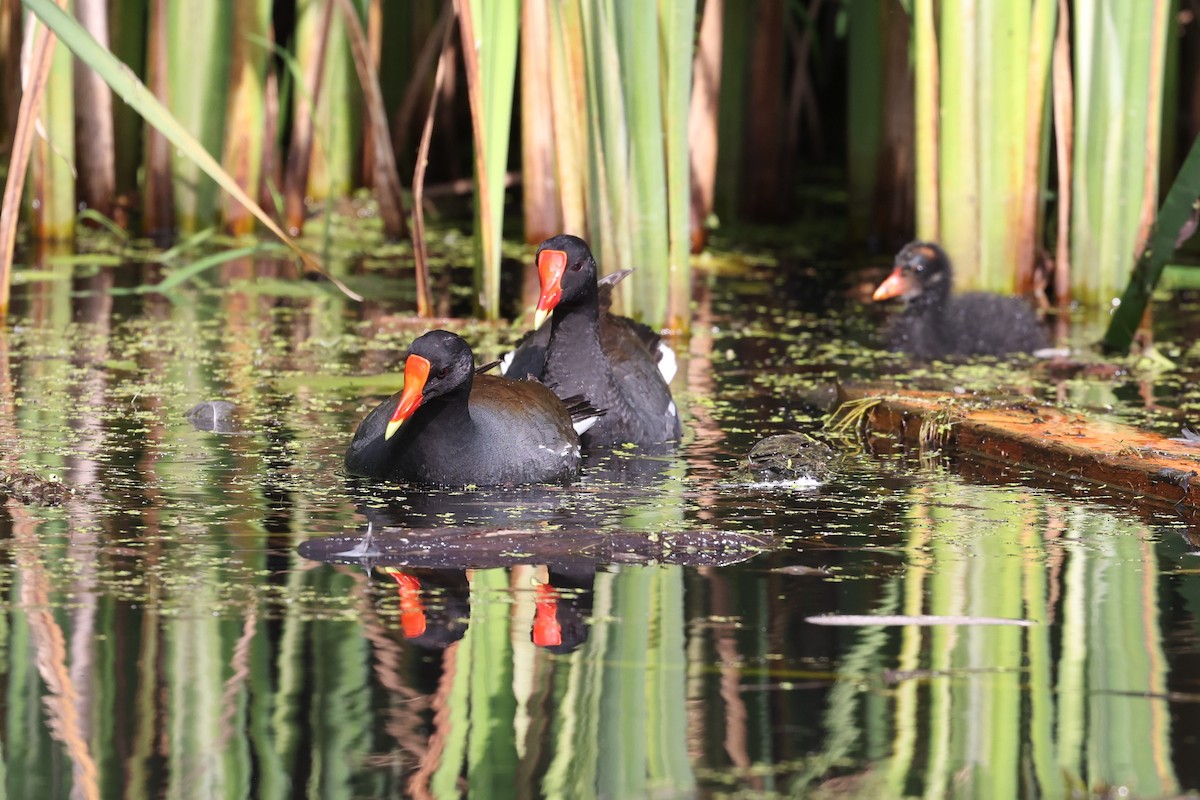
567,271
439,363
921,270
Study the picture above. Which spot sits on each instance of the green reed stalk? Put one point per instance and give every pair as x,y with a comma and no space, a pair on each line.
133,92
569,104
958,177
51,175
992,138
1176,209
246,113
636,66
609,164
927,130
1030,222
677,19
1003,52
491,62
1119,54
337,116
199,43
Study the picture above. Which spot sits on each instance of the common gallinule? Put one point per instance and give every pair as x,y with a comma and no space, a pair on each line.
935,324
452,427
529,356
596,355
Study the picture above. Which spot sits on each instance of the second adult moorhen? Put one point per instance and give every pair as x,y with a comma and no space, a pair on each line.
529,356
594,355
451,427
936,324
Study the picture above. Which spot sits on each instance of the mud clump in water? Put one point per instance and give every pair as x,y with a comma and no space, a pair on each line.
787,457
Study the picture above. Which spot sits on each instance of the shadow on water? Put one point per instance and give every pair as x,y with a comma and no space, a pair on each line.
214,609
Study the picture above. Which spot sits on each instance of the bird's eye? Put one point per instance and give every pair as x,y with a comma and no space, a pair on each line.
578,265
443,372
918,267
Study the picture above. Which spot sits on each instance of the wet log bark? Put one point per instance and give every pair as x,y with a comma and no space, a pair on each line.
1068,445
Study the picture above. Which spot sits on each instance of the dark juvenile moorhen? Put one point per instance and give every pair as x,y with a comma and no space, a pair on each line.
452,427
597,356
529,356
935,324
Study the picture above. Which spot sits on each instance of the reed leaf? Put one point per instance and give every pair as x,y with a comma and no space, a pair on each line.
158,196
637,41
95,153
334,163
420,256
1183,198
927,130
1002,53
677,20
199,43
52,165
246,114
958,176
543,215
1030,215
491,69
609,207
386,178
1118,81
568,88
41,56
1064,148
310,64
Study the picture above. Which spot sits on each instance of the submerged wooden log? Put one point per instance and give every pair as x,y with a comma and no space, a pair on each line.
1066,444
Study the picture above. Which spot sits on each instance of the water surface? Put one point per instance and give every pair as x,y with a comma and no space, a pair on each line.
203,616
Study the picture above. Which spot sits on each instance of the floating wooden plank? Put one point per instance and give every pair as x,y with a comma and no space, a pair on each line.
1067,444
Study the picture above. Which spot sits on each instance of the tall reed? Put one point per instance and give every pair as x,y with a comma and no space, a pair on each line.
489,39
199,43
52,166
620,145
1119,49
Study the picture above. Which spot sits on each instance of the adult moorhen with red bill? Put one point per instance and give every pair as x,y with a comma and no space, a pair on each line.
597,355
529,356
451,427
936,324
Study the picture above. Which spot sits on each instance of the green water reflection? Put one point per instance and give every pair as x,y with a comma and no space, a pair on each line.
166,633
